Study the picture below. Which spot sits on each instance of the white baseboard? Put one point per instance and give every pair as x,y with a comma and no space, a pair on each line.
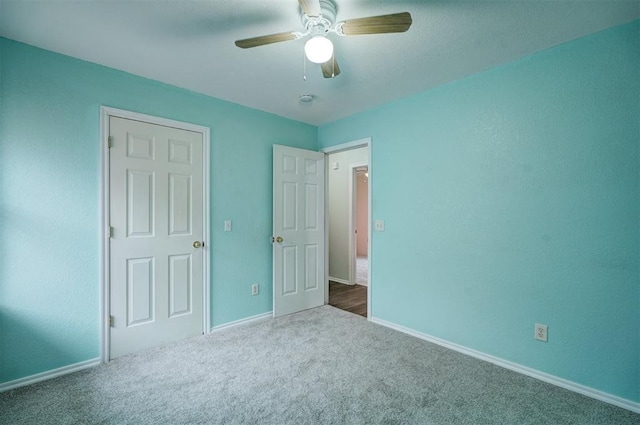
551,379
6,386
338,280
242,321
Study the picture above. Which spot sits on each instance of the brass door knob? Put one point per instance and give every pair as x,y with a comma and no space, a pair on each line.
279,239
198,244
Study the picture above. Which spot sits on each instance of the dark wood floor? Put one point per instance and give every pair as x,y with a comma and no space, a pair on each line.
351,298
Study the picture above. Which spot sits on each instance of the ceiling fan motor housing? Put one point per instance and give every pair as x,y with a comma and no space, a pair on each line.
321,24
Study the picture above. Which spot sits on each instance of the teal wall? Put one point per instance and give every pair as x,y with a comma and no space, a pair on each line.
512,197
49,205
509,197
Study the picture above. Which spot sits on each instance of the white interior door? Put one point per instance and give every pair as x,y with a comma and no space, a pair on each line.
298,230
156,216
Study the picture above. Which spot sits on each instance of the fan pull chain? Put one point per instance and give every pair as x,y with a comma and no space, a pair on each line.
304,66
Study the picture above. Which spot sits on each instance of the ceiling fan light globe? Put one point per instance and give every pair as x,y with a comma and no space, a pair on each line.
318,49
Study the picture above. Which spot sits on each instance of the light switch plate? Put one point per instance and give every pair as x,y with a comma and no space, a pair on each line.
227,225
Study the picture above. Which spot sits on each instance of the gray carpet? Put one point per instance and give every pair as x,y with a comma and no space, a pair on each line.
321,366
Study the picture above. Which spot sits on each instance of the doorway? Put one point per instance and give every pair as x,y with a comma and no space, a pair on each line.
348,219
360,223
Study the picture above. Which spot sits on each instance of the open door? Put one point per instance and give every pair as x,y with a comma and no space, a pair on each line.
298,230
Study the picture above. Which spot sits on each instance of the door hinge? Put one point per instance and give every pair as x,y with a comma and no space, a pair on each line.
110,142
110,232
110,321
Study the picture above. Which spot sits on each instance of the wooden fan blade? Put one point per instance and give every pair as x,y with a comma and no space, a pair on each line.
265,39
330,68
397,22
310,7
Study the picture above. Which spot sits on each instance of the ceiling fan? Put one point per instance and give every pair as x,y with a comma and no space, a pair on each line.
318,19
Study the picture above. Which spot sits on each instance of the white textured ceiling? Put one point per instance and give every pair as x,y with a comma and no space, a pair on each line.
190,44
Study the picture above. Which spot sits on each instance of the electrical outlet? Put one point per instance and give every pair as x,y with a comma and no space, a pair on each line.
541,332
254,289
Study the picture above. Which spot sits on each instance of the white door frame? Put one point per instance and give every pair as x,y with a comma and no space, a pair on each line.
361,143
353,219
105,113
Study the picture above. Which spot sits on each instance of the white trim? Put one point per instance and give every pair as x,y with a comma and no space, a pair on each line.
326,228
360,143
244,321
206,215
369,231
105,113
38,377
338,280
542,376
105,306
